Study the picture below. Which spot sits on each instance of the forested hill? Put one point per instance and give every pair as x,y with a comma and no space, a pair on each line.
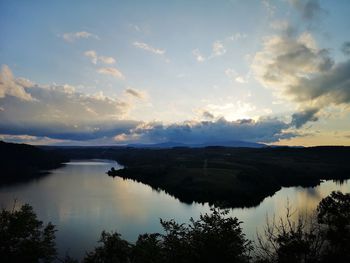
21,162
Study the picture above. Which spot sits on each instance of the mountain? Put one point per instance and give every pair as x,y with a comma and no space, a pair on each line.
166,145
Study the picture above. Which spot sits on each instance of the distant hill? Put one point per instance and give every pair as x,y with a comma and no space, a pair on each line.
230,176
21,162
166,145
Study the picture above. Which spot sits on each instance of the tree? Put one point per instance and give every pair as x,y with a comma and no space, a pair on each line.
333,214
290,241
113,250
213,237
148,249
23,238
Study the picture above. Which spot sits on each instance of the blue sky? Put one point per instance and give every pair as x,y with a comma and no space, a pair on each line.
115,72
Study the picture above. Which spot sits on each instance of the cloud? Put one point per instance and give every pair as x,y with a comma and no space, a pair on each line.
60,112
301,118
135,93
238,36
73,36
297,70
269,7
197,54
346,48
309,9
106,60
234,76
13,87
324,88
263,130
149,48
95,58
35,140
284,60
218,49
111,71
207,115
92,55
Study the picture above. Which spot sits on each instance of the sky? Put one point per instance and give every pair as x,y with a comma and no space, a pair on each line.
121,72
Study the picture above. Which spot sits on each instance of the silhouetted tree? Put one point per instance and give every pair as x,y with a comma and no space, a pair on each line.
333,213
23,238
213,237
113,250
216,237
290,241
148,249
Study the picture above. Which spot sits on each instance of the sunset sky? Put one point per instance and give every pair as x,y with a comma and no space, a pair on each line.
120,72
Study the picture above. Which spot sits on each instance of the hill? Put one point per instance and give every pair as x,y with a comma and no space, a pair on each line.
21,162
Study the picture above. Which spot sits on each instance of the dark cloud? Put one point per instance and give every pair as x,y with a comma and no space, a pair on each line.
310,10
136,93
324,88
284,58
263,130
60,114
300,118
58,111
346,48
207,115
85,131
299,71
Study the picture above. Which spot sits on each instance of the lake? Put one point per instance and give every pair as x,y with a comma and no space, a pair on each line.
82,201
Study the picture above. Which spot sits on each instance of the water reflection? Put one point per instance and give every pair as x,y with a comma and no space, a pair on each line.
82,201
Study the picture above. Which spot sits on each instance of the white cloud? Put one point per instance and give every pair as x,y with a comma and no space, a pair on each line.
73,36
61,112
197,54
95,58
111,71
9,86
92,55
232,111
234,76
106,60
149,48
218,49
238,36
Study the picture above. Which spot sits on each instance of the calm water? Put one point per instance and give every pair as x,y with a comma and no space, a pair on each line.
82,201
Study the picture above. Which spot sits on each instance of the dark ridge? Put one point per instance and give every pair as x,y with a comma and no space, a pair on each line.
22,162
226,176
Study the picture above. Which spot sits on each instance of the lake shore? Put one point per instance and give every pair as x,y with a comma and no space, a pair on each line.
232,177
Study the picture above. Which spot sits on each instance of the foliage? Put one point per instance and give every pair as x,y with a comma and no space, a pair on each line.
224,176
289,241
214,237
23,238
148,249
322,237
334,216
113,250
